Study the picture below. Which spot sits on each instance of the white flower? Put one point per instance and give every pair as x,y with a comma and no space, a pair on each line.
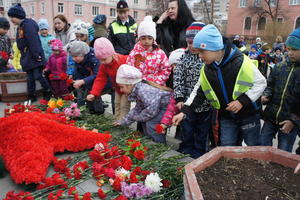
153,181
99,147
122,173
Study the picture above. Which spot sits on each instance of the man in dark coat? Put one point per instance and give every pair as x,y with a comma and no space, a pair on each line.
32,55
122,32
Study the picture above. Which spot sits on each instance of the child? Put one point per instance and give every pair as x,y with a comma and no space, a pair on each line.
195,127
253,52
166,121
278,55
5,45
80,29
100,29
85,71
45,37
111,62
16,57
265,60
57,66
282,97
147,57
32,54
231,83
151,102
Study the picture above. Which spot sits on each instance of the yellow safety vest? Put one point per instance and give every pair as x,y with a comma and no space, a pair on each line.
117,28
244,82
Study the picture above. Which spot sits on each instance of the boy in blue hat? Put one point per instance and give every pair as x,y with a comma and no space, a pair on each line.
45,37
282,98
231,83
32,54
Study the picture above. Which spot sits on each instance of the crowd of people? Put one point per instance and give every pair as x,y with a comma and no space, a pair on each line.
178,71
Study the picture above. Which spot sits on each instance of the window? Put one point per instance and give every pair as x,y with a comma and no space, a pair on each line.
42,8
135,14
78,9
32,10
294,2
297,25
280,20
273,3
60,8
147,2
1,3
136,1
257,3
112,12
247,23
243,3
262,23
95,10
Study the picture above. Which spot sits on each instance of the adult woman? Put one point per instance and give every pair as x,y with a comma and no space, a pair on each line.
278,43
172,24
62,29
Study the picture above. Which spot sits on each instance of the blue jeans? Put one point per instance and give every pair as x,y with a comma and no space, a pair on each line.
195,131
248,127
149,128
285,141
36,74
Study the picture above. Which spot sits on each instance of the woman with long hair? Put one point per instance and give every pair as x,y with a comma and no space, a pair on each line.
172,24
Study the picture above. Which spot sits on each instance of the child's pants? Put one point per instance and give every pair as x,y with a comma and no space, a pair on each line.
36,74
122,105
59,88
149,128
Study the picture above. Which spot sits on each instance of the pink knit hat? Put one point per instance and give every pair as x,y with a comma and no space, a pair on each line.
128,75
103,48
56,44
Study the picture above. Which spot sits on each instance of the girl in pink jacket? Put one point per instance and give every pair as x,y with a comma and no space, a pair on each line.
147,57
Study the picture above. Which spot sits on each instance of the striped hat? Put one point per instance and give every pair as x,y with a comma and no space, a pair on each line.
193,29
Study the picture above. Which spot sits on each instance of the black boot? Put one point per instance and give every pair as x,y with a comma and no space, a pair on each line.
32,98
47,94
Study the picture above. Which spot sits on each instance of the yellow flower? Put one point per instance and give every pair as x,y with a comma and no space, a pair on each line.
59,103
52,104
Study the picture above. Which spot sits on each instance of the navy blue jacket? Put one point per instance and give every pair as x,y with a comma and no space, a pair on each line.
87,69
29,43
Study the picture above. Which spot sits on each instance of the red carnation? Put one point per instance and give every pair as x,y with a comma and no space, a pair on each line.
139,154
101,194
166,183
109,172
133,178
137,170
51,77
63,76
121,197
87,196
117,184
135,144
4,55
76,197
159,129
69,82
72,190
43,102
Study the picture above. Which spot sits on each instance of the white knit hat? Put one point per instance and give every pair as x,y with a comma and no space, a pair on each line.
128,75
175,56
80,27
147,27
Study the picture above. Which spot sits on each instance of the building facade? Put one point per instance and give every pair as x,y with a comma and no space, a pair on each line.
84,10
243,20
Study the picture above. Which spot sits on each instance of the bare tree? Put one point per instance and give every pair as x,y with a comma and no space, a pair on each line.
204,9
158,7
267,8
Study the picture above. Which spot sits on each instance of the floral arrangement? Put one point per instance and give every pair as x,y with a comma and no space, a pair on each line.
124,168
73,111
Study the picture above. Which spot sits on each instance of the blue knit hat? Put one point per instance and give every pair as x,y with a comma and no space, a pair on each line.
209,38
16,11
293,39
253,46
100,19
43,24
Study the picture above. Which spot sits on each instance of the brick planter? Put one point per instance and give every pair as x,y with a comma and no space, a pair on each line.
191,188
13,87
